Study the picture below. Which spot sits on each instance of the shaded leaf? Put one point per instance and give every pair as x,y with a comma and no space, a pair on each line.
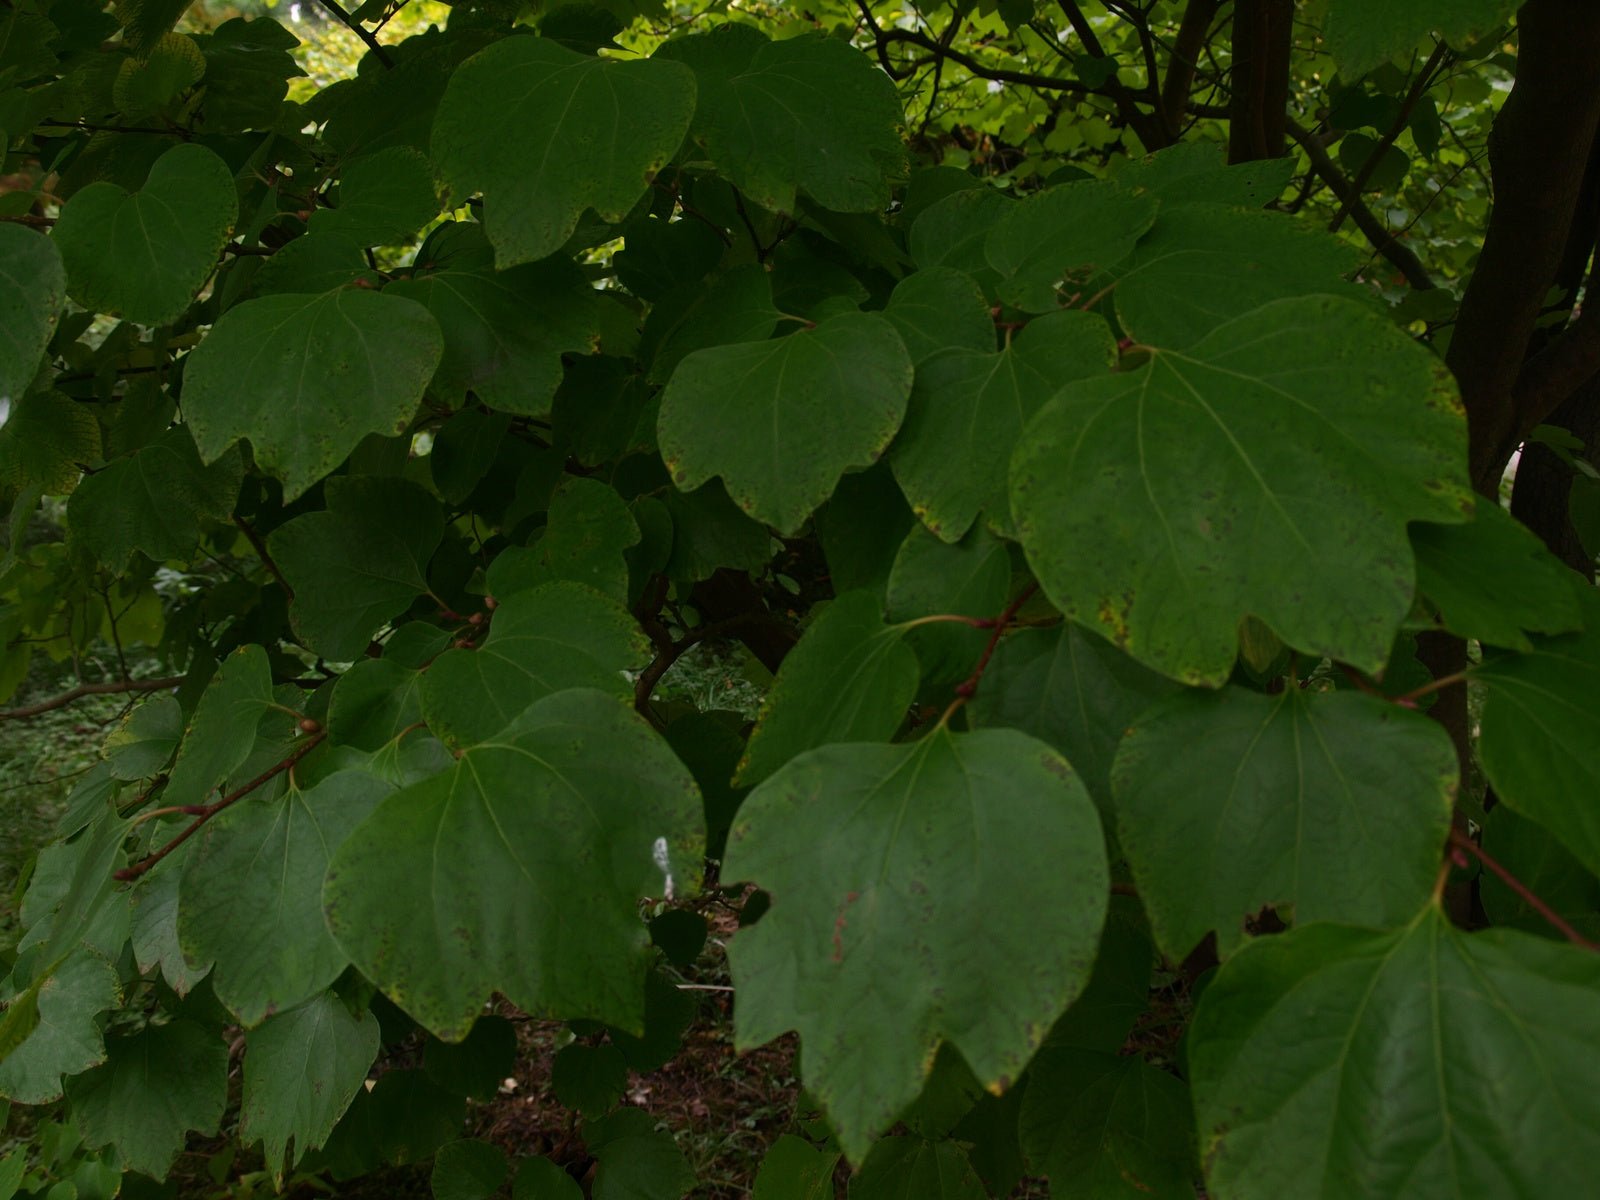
1070,232
892,871
968,409
809,113
152,501
1491,579
1438,1034
144,256
616,124
780,421
1108,1127
302,1068
1335,805
851,678
467,883
251,899
155,1087
1540,727
359,563
306,377
1159,506
1071,690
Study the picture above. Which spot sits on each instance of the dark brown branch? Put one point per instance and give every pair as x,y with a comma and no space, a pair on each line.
90,689
1259,105
1462,842
1151,129
206,812
1185,60
1538,154
1385,243
361,31
887,37
1419,88
260,545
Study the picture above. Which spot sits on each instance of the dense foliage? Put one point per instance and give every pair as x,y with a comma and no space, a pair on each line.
1086,422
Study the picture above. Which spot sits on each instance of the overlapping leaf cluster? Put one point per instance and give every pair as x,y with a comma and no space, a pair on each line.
1100,518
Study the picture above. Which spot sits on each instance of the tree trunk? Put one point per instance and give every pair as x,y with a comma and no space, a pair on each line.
1261,43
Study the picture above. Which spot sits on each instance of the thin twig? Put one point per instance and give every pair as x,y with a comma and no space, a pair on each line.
361,31
1419,88
1383,241
205,813
1463,842
260,545
968,687
90,689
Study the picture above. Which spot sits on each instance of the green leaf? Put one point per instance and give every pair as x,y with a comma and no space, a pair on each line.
305,378
1069,233
467,883
155,1086
143,741
909,1168
894,871
780,421
468,1170
587,534
1108,1127
504,331
1357,149
373,703
1491,579
590,1079
251,900
636,1160
476,1065
1362,34
144,256
541,1179
736,306
1160,506
1435,1034
248,68
1334,804
1071,690
940,309
154,82
1545,868
562,635
953,232
851,678
709,533
302,1068
968,408
1197,172
793,1169
970,578
383,198
145,21
152,501
153,925
615,125
45,443
33,289
1201,265
1540,726
65,1037
223,730
358,564
807,113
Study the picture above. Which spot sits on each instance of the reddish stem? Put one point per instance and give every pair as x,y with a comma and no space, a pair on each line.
968,687
206,812
1462,842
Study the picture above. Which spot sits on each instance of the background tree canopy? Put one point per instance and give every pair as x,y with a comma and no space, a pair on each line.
591,536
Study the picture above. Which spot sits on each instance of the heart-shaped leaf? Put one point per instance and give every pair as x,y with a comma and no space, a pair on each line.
143,256
1162,505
